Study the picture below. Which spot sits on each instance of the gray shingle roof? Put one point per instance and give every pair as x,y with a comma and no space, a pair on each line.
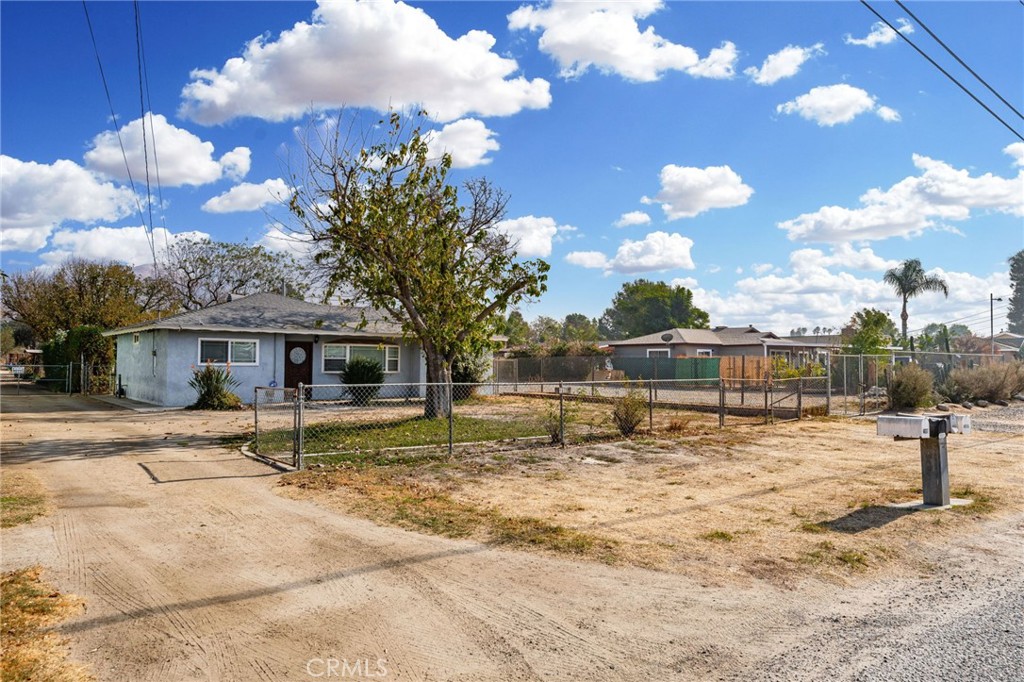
273,313
720,336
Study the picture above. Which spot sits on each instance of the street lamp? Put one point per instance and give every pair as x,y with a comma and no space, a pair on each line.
992,322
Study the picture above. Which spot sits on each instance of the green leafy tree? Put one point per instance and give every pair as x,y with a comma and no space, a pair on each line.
1016,313
545,330
868,332
579,327
388,228
515,327
81,292
201,273
644,307
909,280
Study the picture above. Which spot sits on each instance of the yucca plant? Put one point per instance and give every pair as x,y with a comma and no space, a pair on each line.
214,385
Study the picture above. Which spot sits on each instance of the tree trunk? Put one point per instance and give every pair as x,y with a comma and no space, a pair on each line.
903,318
438,386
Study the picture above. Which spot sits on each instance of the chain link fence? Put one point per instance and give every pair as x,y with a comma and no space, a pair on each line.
860,383
338,422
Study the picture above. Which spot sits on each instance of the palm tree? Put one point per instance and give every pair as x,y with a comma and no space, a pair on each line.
909,280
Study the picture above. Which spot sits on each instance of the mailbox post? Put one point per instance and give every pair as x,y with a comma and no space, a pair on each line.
932,431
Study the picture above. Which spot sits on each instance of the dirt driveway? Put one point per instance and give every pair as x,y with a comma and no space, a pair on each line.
192,567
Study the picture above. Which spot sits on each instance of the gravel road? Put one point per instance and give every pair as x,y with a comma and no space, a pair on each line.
192,567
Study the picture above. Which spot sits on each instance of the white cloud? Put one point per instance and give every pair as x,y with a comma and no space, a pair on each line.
248,197
880,34
687,192
129,245
911,206
888,114
36,198
657,251
817,292
605,35
281,240
1016,150
363,54
533,236
468,141
587,259
633,218
785,63
828,105
688,282
183,158
762,268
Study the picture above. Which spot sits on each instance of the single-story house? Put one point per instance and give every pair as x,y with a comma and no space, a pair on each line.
717,342
268,340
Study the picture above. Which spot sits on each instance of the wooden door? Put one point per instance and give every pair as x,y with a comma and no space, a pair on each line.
298,363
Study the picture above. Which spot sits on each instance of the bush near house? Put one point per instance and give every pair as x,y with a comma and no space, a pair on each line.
214,388
998,381
367,375
910,386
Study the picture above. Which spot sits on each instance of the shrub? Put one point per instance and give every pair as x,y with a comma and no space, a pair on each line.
365,373
997,381
629,411
214,385
910,386
951,391
466,370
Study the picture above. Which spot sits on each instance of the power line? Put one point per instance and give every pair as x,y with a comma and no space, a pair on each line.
113,115
967,319
946,73
142,120
957,58
152,131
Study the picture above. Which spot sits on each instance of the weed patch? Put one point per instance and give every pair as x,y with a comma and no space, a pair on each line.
22,498
27,607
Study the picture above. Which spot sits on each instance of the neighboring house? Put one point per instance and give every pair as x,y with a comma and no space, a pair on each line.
717,342
268,339
1009,343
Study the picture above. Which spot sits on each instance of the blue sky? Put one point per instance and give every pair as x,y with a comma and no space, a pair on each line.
773,157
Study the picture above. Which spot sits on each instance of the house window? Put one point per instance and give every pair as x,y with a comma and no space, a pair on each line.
135,338
336,355
657,352
222,351
705,352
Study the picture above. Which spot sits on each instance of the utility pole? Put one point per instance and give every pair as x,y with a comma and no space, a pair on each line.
992,323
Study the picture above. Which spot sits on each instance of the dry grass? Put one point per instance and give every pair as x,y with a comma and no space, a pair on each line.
22,497
28,606
774,503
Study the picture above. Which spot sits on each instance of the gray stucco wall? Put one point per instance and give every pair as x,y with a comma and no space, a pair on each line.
142,371
162,377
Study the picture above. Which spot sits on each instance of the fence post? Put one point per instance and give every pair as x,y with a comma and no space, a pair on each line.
256,419
721,403
67,378
766,400
743,379
300,396
799,397
654,373
451,419
828,384
861,383
650,405
561,415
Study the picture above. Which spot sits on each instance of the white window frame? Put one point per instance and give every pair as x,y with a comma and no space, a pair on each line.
705,352
659,353
135,339
386,348
231,343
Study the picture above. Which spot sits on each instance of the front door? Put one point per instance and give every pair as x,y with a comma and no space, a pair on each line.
298,363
